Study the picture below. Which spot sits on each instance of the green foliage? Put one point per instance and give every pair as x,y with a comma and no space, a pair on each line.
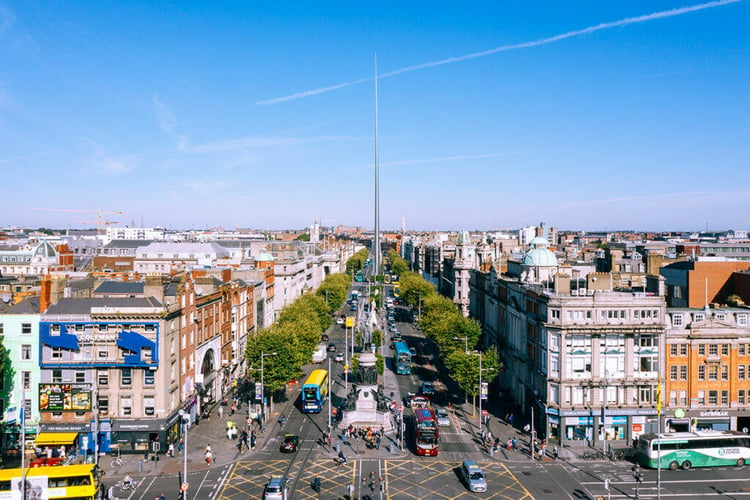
379,364
357,261
279,369
303,237
398,265
464,368
334,290
414,287
377,338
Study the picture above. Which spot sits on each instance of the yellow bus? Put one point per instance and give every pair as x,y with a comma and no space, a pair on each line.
71,482
314,391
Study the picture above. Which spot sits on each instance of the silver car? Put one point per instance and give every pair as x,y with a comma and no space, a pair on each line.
473,476
276,489
443,419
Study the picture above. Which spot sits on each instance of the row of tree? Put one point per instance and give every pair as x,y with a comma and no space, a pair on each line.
289,343
456,336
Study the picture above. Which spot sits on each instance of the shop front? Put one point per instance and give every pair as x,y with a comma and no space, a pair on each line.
617,426
68,435
139,436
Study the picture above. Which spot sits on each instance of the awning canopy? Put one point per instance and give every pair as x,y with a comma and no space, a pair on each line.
133,341
55,438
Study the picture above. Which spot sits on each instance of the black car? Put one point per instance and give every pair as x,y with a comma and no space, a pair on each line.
324,337
290,444
331,347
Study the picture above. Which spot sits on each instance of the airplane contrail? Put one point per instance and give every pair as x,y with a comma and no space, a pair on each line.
505,48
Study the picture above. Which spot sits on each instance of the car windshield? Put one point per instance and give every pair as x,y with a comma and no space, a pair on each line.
273,489
476,476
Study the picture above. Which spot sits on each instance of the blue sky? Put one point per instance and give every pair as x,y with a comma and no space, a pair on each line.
585,115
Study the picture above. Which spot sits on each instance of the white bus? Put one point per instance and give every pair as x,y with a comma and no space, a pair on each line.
693,449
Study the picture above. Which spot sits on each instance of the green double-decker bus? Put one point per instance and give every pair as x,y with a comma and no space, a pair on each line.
684,450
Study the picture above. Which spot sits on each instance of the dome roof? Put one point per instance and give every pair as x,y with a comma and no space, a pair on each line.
539,242
539,257
264,256
45,249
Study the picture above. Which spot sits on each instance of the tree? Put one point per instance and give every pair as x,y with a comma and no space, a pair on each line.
464,369
279,369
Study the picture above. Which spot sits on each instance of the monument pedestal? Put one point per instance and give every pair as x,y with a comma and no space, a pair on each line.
366,404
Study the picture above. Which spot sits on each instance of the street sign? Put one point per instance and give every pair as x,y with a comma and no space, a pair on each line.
184,486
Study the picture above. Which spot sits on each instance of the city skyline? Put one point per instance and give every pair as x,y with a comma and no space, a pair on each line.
584,115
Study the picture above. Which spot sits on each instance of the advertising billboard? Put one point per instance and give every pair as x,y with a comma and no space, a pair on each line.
64,397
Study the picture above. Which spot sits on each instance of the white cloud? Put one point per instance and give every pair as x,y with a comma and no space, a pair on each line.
168,123
505,48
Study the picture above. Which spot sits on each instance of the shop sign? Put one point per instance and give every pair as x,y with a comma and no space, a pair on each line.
64,397
714,413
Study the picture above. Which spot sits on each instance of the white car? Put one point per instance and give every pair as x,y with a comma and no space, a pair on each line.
443,419
339,358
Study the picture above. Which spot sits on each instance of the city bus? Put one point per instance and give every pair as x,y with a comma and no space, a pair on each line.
426,432
693,449
72,482
314,391
402,357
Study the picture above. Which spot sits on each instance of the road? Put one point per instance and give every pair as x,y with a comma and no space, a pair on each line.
510,474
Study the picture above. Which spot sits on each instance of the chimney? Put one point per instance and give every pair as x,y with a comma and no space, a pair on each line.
57,288
44,294
153,287
562,284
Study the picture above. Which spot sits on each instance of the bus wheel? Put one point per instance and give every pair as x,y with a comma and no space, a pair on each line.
673,465
740,462
686,465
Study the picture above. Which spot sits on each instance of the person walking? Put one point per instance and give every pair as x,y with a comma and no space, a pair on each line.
170,450
221,411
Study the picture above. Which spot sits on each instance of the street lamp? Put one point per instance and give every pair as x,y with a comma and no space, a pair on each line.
185,419
466,341
262,386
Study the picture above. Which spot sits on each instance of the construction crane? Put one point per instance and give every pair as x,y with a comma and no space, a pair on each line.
99,222
99,215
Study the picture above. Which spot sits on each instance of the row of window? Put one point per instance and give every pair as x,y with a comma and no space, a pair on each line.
676,350
25,329
709,372
678,319
607,314
102,377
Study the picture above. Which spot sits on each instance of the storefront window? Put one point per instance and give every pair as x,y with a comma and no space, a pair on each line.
579,428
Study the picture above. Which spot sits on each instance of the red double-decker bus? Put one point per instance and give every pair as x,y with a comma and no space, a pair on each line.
426,432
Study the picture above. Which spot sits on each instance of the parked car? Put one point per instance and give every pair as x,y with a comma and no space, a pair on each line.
428,389
277,488
331,347
290,444
340,321
443,419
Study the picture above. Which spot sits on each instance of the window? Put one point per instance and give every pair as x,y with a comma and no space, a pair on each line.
148,405
103,377
713,372
683,398
677,320
683,349
126,376
2,329
57,353
80,377
713,398
742,319
725,397
26,378
725,349
713,349
672,398
27,406
57,376
683,372
702,350
148,377
701,372
26,328
645,393
26,352
724,372
103,353
673,350
701,397
126,405
741,397
740,372
699,317
741,349
103,405
673,372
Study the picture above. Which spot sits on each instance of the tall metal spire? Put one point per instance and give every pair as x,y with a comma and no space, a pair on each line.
376,240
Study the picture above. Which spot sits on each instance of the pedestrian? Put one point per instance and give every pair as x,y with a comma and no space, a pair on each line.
515,443
526,428
180,445
510,419
554,452
483,435
170,450
381,481
221,411
208,456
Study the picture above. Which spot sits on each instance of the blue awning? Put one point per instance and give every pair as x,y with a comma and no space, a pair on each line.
133,341
63,339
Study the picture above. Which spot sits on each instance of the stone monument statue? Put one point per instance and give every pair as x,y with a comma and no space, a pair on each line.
366,405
